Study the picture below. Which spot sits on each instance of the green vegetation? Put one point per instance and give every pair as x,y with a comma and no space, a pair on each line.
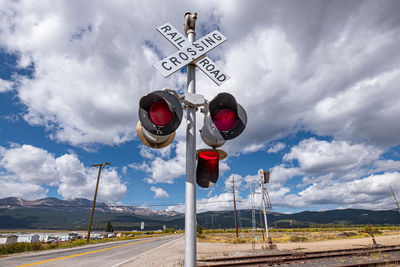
20,247
199,229
169,230
109,227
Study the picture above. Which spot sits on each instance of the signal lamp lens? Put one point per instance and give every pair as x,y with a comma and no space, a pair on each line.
207,168
225,120
159,113
208,164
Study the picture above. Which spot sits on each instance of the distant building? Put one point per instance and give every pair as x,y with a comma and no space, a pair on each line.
8,239
29,238
97,236
111,234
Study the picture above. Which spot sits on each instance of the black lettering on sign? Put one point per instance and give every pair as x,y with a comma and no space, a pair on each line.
210,67
215,72
183,56
174,61
210,41
198,46
163,65
221,78
172,34
204,43
180,43
191,51
204,62
217,37
166,28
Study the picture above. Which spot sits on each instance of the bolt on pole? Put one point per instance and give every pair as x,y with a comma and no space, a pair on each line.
190,185
101,165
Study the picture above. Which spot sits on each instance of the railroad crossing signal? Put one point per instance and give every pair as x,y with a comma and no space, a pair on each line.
160,114
191,53
225,120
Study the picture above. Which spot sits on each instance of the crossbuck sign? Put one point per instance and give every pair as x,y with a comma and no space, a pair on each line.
191,53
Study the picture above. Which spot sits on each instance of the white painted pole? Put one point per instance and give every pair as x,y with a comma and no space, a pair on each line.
190,197
265,214
261,176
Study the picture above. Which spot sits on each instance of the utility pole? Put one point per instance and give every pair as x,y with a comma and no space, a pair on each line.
234,205
190,185
101,165
253,212
212,225
395,199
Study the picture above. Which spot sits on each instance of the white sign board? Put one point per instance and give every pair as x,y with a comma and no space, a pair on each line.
211,70
191,53
142,226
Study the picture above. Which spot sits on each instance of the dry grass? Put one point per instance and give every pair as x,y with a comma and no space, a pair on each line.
294,235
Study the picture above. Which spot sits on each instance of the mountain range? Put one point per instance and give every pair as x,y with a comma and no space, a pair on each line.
79,203
73,214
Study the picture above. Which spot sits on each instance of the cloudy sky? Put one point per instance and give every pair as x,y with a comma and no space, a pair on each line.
320,81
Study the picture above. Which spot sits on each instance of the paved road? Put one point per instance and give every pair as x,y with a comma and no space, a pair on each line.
108,254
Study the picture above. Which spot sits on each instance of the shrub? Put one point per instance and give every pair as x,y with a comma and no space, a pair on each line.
298,238
238,241
369,229
20,247
348,234
200,236
169,230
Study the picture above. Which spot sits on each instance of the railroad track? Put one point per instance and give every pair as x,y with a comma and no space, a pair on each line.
282,258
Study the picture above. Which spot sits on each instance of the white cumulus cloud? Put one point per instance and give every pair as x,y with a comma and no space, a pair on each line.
26,170
159,192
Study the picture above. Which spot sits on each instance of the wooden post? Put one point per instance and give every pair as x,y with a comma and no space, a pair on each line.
234,206
95,196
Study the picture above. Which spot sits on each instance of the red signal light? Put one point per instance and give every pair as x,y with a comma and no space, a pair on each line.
207,170
209,155
225,119
159,113
208,165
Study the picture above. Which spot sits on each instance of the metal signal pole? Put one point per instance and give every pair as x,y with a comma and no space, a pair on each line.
234,205
190,186
264,209
262,226
101,165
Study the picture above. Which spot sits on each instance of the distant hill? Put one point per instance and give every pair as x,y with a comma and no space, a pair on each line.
73,214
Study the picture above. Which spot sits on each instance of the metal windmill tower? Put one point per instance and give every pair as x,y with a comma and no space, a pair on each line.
266,202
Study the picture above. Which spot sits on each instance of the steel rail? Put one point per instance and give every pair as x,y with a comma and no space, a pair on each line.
290,257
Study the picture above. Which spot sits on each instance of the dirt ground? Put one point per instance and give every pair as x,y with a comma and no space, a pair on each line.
173,253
